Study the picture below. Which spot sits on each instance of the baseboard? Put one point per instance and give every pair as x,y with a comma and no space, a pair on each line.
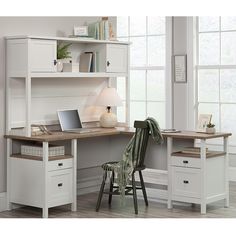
3,201
232,173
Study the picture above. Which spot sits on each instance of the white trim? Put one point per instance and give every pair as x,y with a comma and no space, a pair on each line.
3,201
168,73
67,39
190,73
232,173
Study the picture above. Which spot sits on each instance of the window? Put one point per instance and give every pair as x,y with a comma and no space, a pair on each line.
216,71
146,95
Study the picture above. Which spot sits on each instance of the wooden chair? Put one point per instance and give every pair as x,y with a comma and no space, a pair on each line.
139,156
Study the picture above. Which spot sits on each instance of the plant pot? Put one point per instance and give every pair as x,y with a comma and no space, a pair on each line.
210,130
59,65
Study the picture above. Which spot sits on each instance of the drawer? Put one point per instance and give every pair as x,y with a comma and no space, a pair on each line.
186,182
60,164
60,187
186,161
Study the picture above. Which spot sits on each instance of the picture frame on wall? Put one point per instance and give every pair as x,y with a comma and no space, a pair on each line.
180,68
203,120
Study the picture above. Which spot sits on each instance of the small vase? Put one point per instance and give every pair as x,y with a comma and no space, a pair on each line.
210,130
59,65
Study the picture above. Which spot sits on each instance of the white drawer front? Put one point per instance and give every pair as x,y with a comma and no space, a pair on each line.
186,161
186,182
60,164
60,187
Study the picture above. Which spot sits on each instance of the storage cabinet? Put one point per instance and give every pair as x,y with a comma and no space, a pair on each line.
43,55
32,57
60,187
187,178
116,58
42,182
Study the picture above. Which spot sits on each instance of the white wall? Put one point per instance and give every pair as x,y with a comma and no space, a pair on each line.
180,89
45,26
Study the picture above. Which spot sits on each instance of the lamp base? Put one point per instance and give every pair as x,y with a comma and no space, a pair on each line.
108,120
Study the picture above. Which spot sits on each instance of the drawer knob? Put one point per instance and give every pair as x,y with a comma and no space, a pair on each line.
55,62
108,63
185,181
60,164
60,185
185,162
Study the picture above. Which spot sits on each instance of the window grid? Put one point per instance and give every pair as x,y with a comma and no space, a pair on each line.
219,67
147,67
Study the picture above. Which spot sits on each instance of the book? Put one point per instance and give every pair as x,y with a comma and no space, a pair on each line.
85,62
193,150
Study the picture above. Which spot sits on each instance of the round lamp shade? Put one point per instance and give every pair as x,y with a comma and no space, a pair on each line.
109,98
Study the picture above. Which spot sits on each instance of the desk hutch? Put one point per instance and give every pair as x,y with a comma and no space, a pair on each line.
46,182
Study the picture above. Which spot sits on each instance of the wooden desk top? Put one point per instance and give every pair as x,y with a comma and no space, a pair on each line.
195,135
57,136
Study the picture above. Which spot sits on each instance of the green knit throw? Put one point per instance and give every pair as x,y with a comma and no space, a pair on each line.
124,168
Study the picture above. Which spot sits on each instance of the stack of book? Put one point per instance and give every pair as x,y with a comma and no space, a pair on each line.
88,62
193,150
38,150
99,30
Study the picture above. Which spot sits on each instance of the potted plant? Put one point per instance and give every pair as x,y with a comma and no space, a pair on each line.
62,53
210,128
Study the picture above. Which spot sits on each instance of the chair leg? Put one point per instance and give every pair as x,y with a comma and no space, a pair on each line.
134,194
101,191
111,188
143,188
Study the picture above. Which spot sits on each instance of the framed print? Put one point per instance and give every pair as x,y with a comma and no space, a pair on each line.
180,68
203,120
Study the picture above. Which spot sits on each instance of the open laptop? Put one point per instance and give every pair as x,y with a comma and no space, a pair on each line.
70,122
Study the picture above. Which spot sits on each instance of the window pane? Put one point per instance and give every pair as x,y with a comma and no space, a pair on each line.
121,111
208,108
156,25
228,86
138,51
228,118
137,85
228,23
157,111
228,48
122,26
209,49
156,50
137,111
121,87
208,85
208,23
156,85
137,25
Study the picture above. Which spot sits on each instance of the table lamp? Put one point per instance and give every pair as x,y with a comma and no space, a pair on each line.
109,98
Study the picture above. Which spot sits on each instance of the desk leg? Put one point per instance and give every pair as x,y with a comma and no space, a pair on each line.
169,169
45,182
226,172
203,176
9,152
74,181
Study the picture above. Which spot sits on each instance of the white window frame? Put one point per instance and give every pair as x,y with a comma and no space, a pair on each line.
192,71
168,78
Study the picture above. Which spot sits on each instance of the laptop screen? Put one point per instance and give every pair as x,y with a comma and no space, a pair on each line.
69,119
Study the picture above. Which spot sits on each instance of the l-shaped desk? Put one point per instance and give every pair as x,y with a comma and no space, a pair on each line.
46,182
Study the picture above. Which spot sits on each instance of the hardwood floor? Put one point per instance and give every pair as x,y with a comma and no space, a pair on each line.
87,203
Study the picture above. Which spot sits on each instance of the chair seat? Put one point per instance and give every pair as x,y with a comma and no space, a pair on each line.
109,166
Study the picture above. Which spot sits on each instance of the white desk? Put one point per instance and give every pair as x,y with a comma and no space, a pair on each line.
201,178
57,177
